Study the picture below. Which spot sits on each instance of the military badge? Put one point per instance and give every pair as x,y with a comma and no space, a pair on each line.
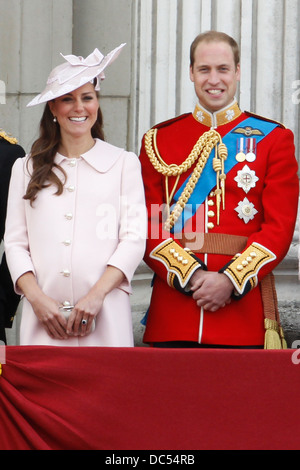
246,210
230,114
246,149
241,149
247,131
200,116
246,179
251,150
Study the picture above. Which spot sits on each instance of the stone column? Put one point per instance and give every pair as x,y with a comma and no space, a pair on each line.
105,25
32,34
267,32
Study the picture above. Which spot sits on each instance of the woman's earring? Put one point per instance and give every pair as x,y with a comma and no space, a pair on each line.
54,119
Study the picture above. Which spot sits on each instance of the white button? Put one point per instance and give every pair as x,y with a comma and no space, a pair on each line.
66,303
71,189
69,216
72,162
65,273
67,242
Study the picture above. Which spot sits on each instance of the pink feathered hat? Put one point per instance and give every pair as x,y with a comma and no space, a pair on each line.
74,73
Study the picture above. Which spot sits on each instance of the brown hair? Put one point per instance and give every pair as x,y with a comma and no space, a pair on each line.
215,36
43,152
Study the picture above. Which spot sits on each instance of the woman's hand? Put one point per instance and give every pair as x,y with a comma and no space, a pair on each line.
45,308
89,306
47,311
81,320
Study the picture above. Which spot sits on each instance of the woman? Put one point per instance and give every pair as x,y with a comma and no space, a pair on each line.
75,229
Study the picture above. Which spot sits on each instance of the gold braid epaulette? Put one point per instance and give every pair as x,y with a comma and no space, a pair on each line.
201,151
9,138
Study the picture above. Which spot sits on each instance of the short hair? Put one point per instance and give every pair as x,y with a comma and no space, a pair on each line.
215,36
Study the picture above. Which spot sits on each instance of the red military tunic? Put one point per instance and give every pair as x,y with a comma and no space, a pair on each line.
259,213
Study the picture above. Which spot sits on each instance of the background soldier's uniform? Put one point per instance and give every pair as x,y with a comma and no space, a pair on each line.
9,152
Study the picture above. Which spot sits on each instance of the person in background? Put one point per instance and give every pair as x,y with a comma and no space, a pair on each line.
9,300
76,223
222,191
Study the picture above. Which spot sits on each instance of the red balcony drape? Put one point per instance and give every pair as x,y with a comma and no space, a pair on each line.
142,398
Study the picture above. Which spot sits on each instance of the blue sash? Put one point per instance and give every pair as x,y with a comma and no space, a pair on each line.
207,181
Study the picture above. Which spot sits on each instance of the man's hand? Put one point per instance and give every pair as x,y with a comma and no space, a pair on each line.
211,290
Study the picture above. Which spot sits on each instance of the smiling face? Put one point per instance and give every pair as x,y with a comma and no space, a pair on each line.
214,74
76,112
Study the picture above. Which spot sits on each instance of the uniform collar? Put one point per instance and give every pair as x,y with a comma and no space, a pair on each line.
219,118
101,157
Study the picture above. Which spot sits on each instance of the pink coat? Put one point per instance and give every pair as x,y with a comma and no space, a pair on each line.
68,240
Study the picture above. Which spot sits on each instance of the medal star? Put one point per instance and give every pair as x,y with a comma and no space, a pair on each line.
246,210
246,179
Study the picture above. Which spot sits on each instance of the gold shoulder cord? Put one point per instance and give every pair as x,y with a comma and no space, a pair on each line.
8,137
201,151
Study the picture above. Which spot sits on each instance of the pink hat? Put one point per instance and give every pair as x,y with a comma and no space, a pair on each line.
74,73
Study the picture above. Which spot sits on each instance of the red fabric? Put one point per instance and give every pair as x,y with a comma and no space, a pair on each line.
148,399
173,316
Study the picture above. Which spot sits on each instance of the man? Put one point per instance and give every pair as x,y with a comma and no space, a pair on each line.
222,193
9,152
